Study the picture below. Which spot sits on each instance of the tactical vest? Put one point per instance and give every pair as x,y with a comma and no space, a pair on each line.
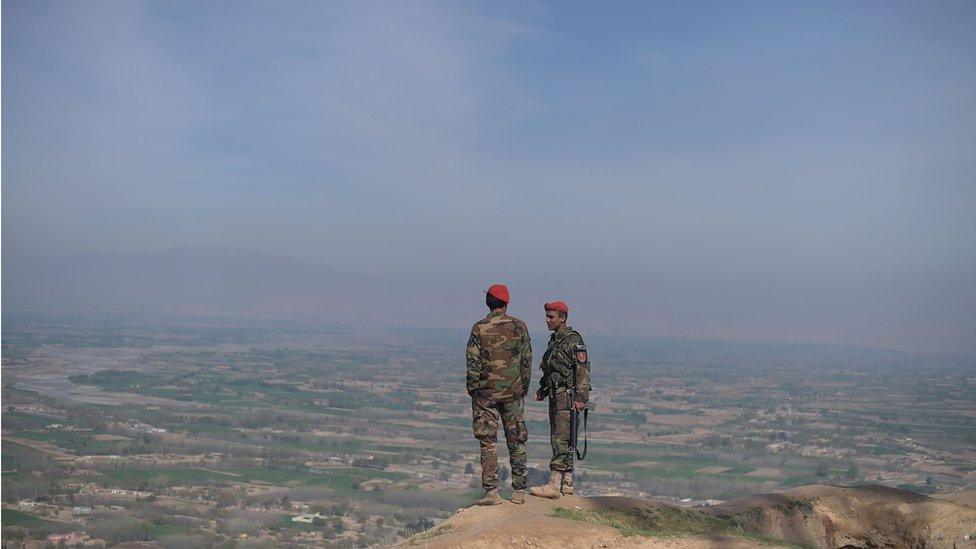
558,361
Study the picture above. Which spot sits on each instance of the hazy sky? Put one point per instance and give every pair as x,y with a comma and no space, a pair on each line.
745,170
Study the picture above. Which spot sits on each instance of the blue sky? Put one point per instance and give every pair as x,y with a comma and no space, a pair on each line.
759,170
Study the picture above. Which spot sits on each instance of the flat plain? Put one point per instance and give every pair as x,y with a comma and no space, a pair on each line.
232,433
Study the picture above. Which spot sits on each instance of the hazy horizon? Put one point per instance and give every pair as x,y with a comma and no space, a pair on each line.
766,172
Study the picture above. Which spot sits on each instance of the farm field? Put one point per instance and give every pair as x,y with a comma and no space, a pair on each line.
228,432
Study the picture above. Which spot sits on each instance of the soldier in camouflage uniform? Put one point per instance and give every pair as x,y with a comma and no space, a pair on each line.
565,354
499,360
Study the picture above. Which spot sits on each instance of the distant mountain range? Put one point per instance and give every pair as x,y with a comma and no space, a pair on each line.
902,312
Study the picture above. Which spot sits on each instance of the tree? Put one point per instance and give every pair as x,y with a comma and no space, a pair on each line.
469,469
853,472
226,499
823,469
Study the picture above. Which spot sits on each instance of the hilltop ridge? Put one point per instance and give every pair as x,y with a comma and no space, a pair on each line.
810,516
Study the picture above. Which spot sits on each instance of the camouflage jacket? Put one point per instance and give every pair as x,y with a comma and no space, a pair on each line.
499,358
566,352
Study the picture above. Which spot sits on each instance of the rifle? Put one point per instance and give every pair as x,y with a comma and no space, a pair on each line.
574,420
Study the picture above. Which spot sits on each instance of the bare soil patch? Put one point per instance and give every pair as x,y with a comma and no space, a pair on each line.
765,472
714,470
532,525
967,497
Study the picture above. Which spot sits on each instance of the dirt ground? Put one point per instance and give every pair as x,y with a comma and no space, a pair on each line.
862,516
529,525
714,470
966,497
812,516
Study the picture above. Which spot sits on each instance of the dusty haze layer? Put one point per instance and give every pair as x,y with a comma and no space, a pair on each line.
211,281
760,172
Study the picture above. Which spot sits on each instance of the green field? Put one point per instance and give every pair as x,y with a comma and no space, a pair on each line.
13,517
20,420
77,441
342,479
297,412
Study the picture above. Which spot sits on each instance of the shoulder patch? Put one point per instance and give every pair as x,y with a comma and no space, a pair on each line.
580,351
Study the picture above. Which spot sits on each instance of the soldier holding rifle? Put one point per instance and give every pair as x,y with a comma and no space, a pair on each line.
566,383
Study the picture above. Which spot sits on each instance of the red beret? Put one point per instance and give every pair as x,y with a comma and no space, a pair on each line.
557,306
499,292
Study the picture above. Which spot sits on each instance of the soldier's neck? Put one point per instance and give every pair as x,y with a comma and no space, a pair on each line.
499,311
562,328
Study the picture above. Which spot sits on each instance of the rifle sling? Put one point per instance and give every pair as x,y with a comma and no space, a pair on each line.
586,413
581,457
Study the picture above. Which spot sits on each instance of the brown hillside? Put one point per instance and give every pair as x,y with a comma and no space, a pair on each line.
813,516
864,516
532,525
967,497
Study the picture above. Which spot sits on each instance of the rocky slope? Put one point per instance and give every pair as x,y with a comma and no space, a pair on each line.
811,516
864,516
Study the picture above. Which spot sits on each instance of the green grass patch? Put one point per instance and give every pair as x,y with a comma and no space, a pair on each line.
15,421
132,478
163,530
169,476
13,517
924,489
432,533
287,524
344,480
69,440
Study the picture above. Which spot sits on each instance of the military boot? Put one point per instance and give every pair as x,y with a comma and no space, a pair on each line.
551,490
518,497
491,497
567,483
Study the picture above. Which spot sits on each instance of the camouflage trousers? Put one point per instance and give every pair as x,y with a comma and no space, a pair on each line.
486,413
559,427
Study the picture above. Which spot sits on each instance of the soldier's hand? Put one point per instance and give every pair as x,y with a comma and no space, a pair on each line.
538,395
580,405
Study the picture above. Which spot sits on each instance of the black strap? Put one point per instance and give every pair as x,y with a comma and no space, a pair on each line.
586,413
581,457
